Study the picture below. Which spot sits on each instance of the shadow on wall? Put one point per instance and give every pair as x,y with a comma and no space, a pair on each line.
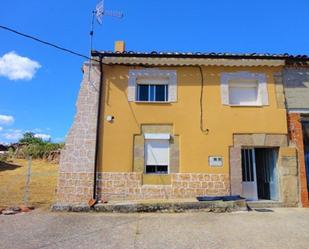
296,78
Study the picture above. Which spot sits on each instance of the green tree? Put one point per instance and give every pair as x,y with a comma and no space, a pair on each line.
29,138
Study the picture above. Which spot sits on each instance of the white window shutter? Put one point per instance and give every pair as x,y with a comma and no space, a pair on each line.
157,152
172,88
224,90
132,88
243,93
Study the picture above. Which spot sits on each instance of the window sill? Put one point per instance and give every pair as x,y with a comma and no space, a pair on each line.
152,102
156,174
256,105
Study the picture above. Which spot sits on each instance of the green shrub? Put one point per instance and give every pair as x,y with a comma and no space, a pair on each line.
36,147
3,157
40,151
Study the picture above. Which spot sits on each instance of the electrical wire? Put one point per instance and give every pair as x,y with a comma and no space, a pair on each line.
204,130
57,47
47,43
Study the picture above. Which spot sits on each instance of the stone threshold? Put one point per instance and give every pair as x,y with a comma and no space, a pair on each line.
158,206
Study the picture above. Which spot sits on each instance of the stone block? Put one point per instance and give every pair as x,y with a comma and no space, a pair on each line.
288,152
276,140
194,185
157,129
259,139
289,190
139,165
215,178
235,171
243,140
174,155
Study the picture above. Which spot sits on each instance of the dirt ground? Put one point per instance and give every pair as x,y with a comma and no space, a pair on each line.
273,229
13,179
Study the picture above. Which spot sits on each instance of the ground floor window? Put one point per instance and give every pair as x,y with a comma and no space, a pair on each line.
156,156
156,169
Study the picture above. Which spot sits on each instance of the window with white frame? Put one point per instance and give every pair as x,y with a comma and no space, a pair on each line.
156,155
244,89
152,92
152,85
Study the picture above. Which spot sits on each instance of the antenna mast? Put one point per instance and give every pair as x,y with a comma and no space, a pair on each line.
98,14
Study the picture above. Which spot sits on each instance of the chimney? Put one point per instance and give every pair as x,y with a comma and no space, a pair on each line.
120,46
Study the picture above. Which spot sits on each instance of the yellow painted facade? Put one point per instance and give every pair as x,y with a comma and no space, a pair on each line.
116,138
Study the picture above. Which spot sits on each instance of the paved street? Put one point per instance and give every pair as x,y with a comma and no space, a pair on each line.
283,228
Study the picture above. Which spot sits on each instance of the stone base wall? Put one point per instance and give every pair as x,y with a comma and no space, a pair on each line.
128,186
74,188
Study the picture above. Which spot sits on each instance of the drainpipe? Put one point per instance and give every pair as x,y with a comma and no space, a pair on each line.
98,132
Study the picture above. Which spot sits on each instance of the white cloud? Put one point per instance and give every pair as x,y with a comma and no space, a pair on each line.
1,128
16,67
43,136
5,119
13,134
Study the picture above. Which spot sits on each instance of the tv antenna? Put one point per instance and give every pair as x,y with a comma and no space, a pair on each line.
98,14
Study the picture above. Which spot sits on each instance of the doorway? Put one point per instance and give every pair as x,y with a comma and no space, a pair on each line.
259,173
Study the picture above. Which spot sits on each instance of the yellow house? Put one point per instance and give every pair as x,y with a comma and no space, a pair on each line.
179,125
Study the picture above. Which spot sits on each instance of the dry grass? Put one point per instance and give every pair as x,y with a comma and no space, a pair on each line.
42,183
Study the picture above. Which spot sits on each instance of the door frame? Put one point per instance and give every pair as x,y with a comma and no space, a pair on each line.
249,188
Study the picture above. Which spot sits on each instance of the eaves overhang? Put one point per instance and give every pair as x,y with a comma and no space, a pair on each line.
198,59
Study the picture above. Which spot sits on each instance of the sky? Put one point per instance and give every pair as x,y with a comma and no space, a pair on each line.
39,85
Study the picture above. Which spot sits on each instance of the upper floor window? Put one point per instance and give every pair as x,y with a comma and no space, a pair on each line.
243,93
152,85
244,89
149,92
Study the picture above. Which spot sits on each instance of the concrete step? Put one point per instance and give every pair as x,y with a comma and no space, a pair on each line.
264,204
159,206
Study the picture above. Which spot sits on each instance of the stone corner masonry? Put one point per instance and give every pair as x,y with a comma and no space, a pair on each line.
76,172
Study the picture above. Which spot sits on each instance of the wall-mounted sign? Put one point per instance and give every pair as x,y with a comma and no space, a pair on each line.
215,161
